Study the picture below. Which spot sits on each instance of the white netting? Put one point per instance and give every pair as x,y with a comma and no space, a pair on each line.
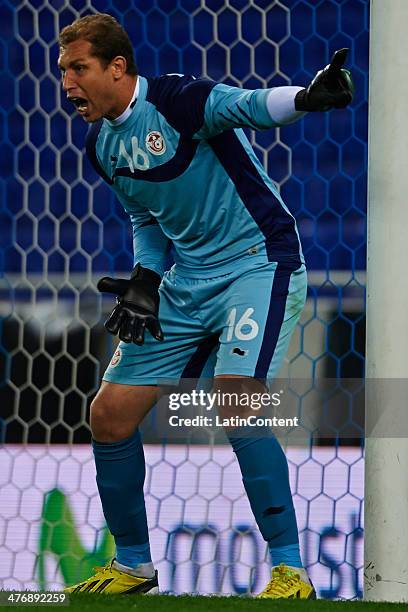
61,230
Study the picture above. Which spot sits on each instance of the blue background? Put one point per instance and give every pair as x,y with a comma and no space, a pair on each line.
50,198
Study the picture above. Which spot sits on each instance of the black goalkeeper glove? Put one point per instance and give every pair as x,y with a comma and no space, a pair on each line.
137,307
332,87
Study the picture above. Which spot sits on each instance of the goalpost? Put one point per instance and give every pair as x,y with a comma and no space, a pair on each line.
386,477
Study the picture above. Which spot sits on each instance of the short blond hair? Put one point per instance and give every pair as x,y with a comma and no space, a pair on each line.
106,35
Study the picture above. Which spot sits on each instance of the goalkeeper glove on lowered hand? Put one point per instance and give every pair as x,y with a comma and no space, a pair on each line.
332,87
137,305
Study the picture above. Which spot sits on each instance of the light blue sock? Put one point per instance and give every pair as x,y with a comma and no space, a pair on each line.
265,476
289,555
134,554
120,474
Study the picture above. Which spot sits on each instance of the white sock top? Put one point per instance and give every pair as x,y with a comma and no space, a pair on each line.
143,570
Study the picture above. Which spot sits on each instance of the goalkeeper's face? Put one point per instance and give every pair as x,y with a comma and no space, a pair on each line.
91,86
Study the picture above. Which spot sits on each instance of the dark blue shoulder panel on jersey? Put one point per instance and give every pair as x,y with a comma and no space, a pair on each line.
90,145
168,171
181,100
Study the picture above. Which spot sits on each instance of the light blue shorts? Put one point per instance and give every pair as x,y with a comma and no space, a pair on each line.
237,323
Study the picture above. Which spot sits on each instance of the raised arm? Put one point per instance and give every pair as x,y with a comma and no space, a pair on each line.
202,108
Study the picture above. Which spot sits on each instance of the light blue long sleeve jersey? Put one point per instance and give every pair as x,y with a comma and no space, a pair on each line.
183,169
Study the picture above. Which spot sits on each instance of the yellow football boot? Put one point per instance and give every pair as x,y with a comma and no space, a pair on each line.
286,583
110,580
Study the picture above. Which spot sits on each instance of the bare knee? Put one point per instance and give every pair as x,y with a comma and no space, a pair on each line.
105,424
117,410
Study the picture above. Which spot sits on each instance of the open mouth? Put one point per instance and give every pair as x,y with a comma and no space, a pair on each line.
81,104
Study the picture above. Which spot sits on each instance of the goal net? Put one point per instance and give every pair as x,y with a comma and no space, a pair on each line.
61,230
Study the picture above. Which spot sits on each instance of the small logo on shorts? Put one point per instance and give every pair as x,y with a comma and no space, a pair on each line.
155,143
116,358
238,351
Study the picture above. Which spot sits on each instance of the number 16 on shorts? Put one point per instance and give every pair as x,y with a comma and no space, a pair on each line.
244,328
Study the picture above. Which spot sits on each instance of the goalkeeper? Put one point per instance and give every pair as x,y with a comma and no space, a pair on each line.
173,151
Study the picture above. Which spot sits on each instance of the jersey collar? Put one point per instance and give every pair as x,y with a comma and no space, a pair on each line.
133,110
128,110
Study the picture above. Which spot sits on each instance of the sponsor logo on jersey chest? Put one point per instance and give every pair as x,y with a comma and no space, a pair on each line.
155,143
